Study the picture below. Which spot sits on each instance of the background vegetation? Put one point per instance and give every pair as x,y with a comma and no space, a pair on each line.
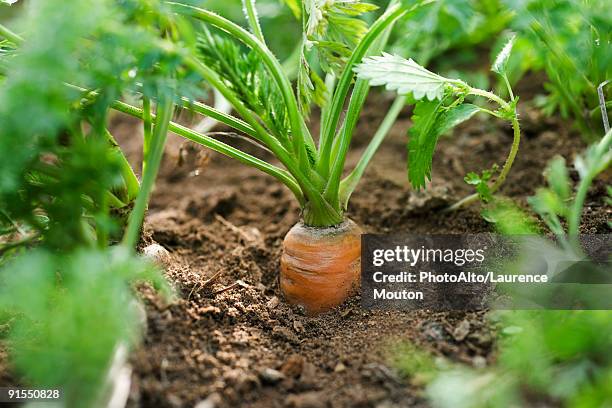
66,191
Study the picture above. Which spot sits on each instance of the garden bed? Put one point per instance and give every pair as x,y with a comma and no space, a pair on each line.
244,346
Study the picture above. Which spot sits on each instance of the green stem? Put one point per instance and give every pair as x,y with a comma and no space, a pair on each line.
348,185
283,176
10,35
508,87
341,144
603,148
272,143
511,155
516,140
219,116
344,83
268,59
343,141
220,147
330,86
213,79
251,14
260,132
320,214
101,228
486,94
158,141
127,173
147,130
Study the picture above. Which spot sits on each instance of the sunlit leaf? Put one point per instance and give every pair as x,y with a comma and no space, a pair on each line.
402,75
430,120
501,61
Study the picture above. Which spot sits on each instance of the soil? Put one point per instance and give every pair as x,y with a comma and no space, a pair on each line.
231,341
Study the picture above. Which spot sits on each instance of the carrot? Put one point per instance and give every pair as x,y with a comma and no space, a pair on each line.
320,267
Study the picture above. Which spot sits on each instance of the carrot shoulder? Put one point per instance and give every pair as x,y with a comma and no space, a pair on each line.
320,267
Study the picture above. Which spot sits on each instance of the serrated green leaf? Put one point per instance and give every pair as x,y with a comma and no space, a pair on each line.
472,179
501,61
423,139
310,87
430,121
482,183
457,115
334,29
402,75
484,192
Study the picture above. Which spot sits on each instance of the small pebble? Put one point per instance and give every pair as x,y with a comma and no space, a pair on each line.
157,253
479,362
272,303
271,376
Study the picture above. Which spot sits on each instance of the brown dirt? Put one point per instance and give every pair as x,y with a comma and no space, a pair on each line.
223,224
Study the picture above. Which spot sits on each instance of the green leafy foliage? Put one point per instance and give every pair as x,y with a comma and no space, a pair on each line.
66,187
509,219
430,120
551,202
59,160
310,87
501,61
568,40
244,74
334,29
572,42
69,314
481,182
558,356
402,75
450,25
557,202
554,202
561,356
440,107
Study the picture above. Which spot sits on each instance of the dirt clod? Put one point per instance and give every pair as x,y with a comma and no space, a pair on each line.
306,400
462,330
292,367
